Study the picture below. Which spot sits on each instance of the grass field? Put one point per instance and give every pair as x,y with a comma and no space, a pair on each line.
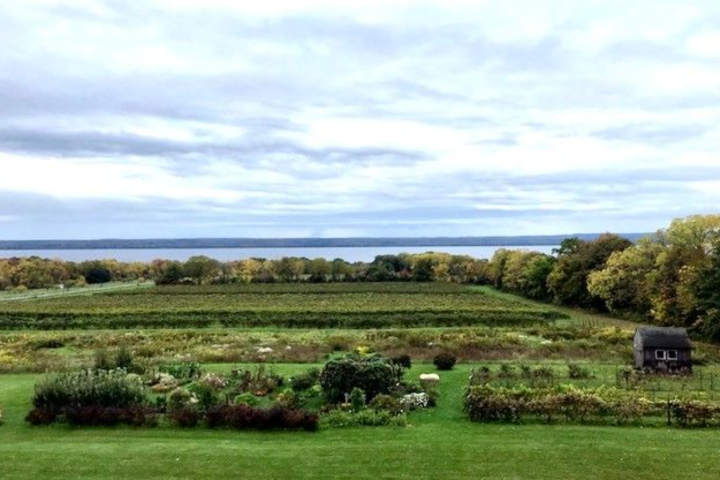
440,443
45,293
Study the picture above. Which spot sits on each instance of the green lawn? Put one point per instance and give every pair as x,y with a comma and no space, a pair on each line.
575,315
439,444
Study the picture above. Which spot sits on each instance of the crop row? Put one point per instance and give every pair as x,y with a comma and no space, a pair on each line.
281,319
305,288
282,302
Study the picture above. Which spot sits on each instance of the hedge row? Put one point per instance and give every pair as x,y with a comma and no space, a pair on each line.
569,404
243,417
240,417
200,319
304,287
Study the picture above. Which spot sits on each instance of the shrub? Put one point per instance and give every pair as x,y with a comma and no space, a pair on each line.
403,360
124,359
485,403
102,360
305,381
374,375
247,399
244,417
289,399
366,418
260,382
357,399
180,398
386,403
204,393
578,372
112,388
182,371
445,361
185,417
49,343
631,411
163,383
414,401
41,416
110,416
507,371
689,413
214,381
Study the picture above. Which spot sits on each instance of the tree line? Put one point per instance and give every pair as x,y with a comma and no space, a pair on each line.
669,278
36,272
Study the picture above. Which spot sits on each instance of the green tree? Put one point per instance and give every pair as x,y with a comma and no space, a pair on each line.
624,283
707,291
201,269
576,261
170,273
319,270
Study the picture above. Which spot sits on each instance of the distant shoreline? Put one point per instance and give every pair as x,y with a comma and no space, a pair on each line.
219,243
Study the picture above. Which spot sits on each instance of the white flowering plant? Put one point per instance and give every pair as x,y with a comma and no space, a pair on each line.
414,401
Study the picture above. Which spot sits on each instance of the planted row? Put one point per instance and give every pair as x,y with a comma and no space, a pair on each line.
485,403
281,319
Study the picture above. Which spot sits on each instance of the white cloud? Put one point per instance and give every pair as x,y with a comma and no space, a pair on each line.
323,117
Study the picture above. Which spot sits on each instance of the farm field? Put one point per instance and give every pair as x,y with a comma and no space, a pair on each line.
33,345
439,443
305,306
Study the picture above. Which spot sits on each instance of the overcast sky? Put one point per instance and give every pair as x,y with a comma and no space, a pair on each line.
208,118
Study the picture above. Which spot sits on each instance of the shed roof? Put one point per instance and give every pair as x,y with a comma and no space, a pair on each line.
657,337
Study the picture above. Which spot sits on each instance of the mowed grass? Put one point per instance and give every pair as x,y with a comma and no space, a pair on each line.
439,444
45,293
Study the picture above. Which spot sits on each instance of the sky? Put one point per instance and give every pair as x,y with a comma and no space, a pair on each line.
209,118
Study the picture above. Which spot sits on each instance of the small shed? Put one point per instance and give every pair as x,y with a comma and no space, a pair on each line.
663,349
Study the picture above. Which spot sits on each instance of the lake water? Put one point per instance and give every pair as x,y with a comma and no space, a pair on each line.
351,254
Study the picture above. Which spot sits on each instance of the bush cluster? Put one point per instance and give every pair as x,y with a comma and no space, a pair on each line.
487,404
137,416
245,417
305,381
604,405
91,397
373,374
363,418
104,388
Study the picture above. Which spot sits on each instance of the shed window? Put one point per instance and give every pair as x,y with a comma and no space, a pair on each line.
659,354
672,355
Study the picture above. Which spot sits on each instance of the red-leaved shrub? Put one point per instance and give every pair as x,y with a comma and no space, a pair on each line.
40,416
245,417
